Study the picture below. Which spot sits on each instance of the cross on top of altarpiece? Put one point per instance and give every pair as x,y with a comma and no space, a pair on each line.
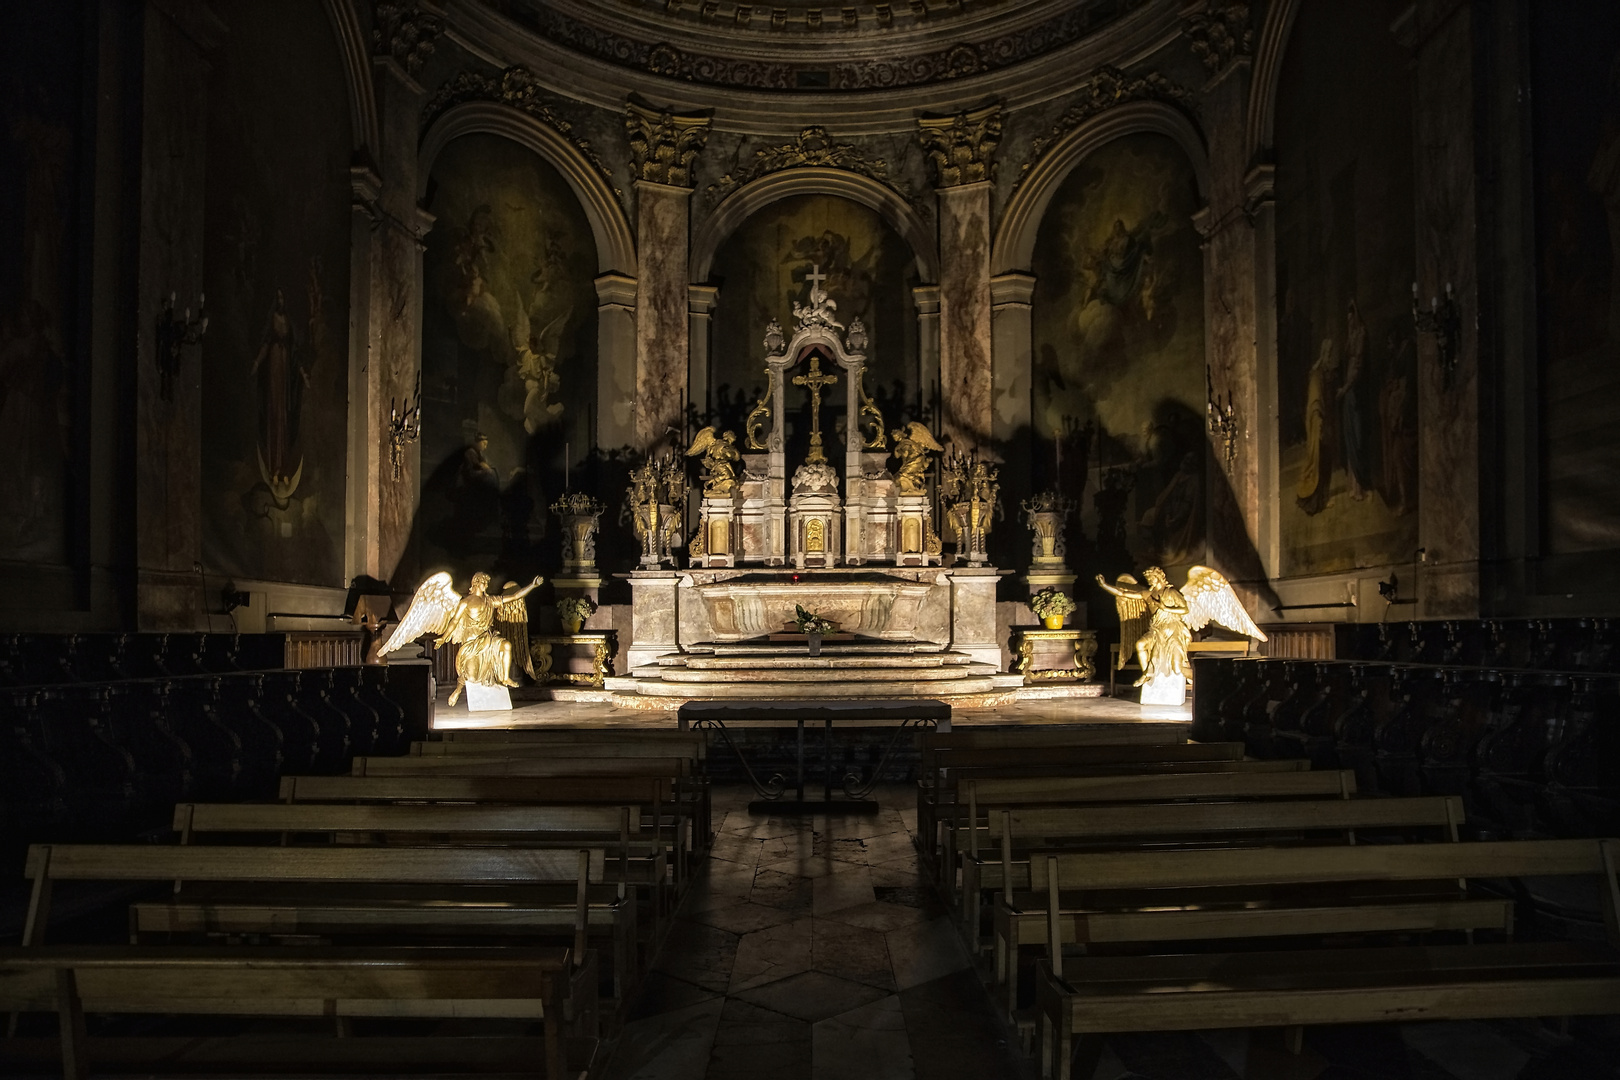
815,381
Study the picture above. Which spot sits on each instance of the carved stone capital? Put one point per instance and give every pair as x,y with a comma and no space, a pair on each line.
961,148
663,145
404,31
1220,32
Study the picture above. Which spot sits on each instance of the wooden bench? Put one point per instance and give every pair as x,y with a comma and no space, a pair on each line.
986,738
332,891
337,984
1025,829
635,859
1086,997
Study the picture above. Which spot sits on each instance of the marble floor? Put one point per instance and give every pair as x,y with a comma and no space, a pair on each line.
812,947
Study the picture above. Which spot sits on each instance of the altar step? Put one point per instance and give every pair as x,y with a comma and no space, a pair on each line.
770,670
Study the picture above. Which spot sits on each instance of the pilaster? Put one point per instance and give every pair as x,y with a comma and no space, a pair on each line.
615,360
1011,353
700,301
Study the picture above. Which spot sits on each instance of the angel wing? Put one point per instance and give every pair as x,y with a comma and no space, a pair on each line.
1210,599
512,623
705,439
918,432
430,611
1133,618
550,336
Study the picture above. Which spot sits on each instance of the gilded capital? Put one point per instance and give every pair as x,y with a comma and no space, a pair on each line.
663,145
961,148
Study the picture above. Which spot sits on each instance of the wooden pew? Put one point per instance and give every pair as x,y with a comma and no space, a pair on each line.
986,738
635,858
348,890
1088,996
341,984
1125,788
1025,829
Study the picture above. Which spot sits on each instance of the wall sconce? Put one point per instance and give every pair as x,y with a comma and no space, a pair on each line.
174,334
1445,324
404,427
1223,425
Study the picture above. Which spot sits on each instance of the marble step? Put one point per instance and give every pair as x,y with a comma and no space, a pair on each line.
818,663
828,648
893,688
782,676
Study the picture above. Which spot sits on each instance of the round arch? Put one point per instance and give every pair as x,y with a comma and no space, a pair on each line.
1021,221
357,72
754,196
615,244
1260,128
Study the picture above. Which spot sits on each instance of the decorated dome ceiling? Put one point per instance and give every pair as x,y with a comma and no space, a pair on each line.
803,45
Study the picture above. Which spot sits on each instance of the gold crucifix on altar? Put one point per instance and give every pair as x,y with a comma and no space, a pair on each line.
815,381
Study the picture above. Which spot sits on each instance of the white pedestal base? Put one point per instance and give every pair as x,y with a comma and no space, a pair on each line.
1165,690
482,698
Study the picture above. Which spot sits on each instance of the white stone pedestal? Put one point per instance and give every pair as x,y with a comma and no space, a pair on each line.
481,698
655,616
1165,690
975,630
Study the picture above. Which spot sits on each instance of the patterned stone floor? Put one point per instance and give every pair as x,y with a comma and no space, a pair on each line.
810,947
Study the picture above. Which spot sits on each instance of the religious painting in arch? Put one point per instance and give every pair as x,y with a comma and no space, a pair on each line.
508,357
1575,67
1118,380
1346,250
275,361
40,381
762,270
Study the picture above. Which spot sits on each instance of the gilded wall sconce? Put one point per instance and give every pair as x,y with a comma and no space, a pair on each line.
173,334
404,427
1443,321
1223,425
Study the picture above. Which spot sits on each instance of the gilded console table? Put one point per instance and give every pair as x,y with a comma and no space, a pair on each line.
1047,655
604,647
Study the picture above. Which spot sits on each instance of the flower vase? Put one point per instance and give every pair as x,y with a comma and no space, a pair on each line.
815,644
1053,622
572,626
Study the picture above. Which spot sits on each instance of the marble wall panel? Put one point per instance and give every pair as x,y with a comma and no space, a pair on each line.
662,249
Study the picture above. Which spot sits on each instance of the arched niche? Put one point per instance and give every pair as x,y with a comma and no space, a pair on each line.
615,243
760,271
1118,341
755,196
510,350
1021,221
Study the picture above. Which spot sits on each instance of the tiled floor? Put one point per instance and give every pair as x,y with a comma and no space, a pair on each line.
810,947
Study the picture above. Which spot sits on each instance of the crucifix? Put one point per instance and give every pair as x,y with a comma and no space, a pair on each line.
815,381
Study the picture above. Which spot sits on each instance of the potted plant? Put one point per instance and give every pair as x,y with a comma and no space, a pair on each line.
1052,607
812,626
573,611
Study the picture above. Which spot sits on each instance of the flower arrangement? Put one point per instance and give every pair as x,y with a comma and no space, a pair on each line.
1049,604
574,610
811,623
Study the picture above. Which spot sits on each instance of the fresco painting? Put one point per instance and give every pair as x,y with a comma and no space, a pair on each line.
1118,325
276,357
508,355
1346,351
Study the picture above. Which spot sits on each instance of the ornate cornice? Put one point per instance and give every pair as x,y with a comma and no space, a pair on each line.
405,32
1108,88
961,148
812,147
516,88
861,63
663,145
1220,32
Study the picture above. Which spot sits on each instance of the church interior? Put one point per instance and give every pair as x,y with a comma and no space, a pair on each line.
678,539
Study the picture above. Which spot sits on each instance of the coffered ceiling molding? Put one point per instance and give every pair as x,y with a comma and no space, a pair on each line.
754,196
1021,221
615,243
490,30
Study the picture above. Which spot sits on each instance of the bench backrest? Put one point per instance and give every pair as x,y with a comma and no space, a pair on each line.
598,736
649,791
504,765
1163,787
506,821
1126,768
1055,735
1016,756
685,745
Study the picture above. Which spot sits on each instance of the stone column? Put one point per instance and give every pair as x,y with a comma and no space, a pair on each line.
1443,37
926,299
664,147
700,301
167,466
961,149
615,360
1012,353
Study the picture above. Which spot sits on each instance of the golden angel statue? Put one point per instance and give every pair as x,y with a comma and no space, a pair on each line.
720,457
1161,619
491,630
912,445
